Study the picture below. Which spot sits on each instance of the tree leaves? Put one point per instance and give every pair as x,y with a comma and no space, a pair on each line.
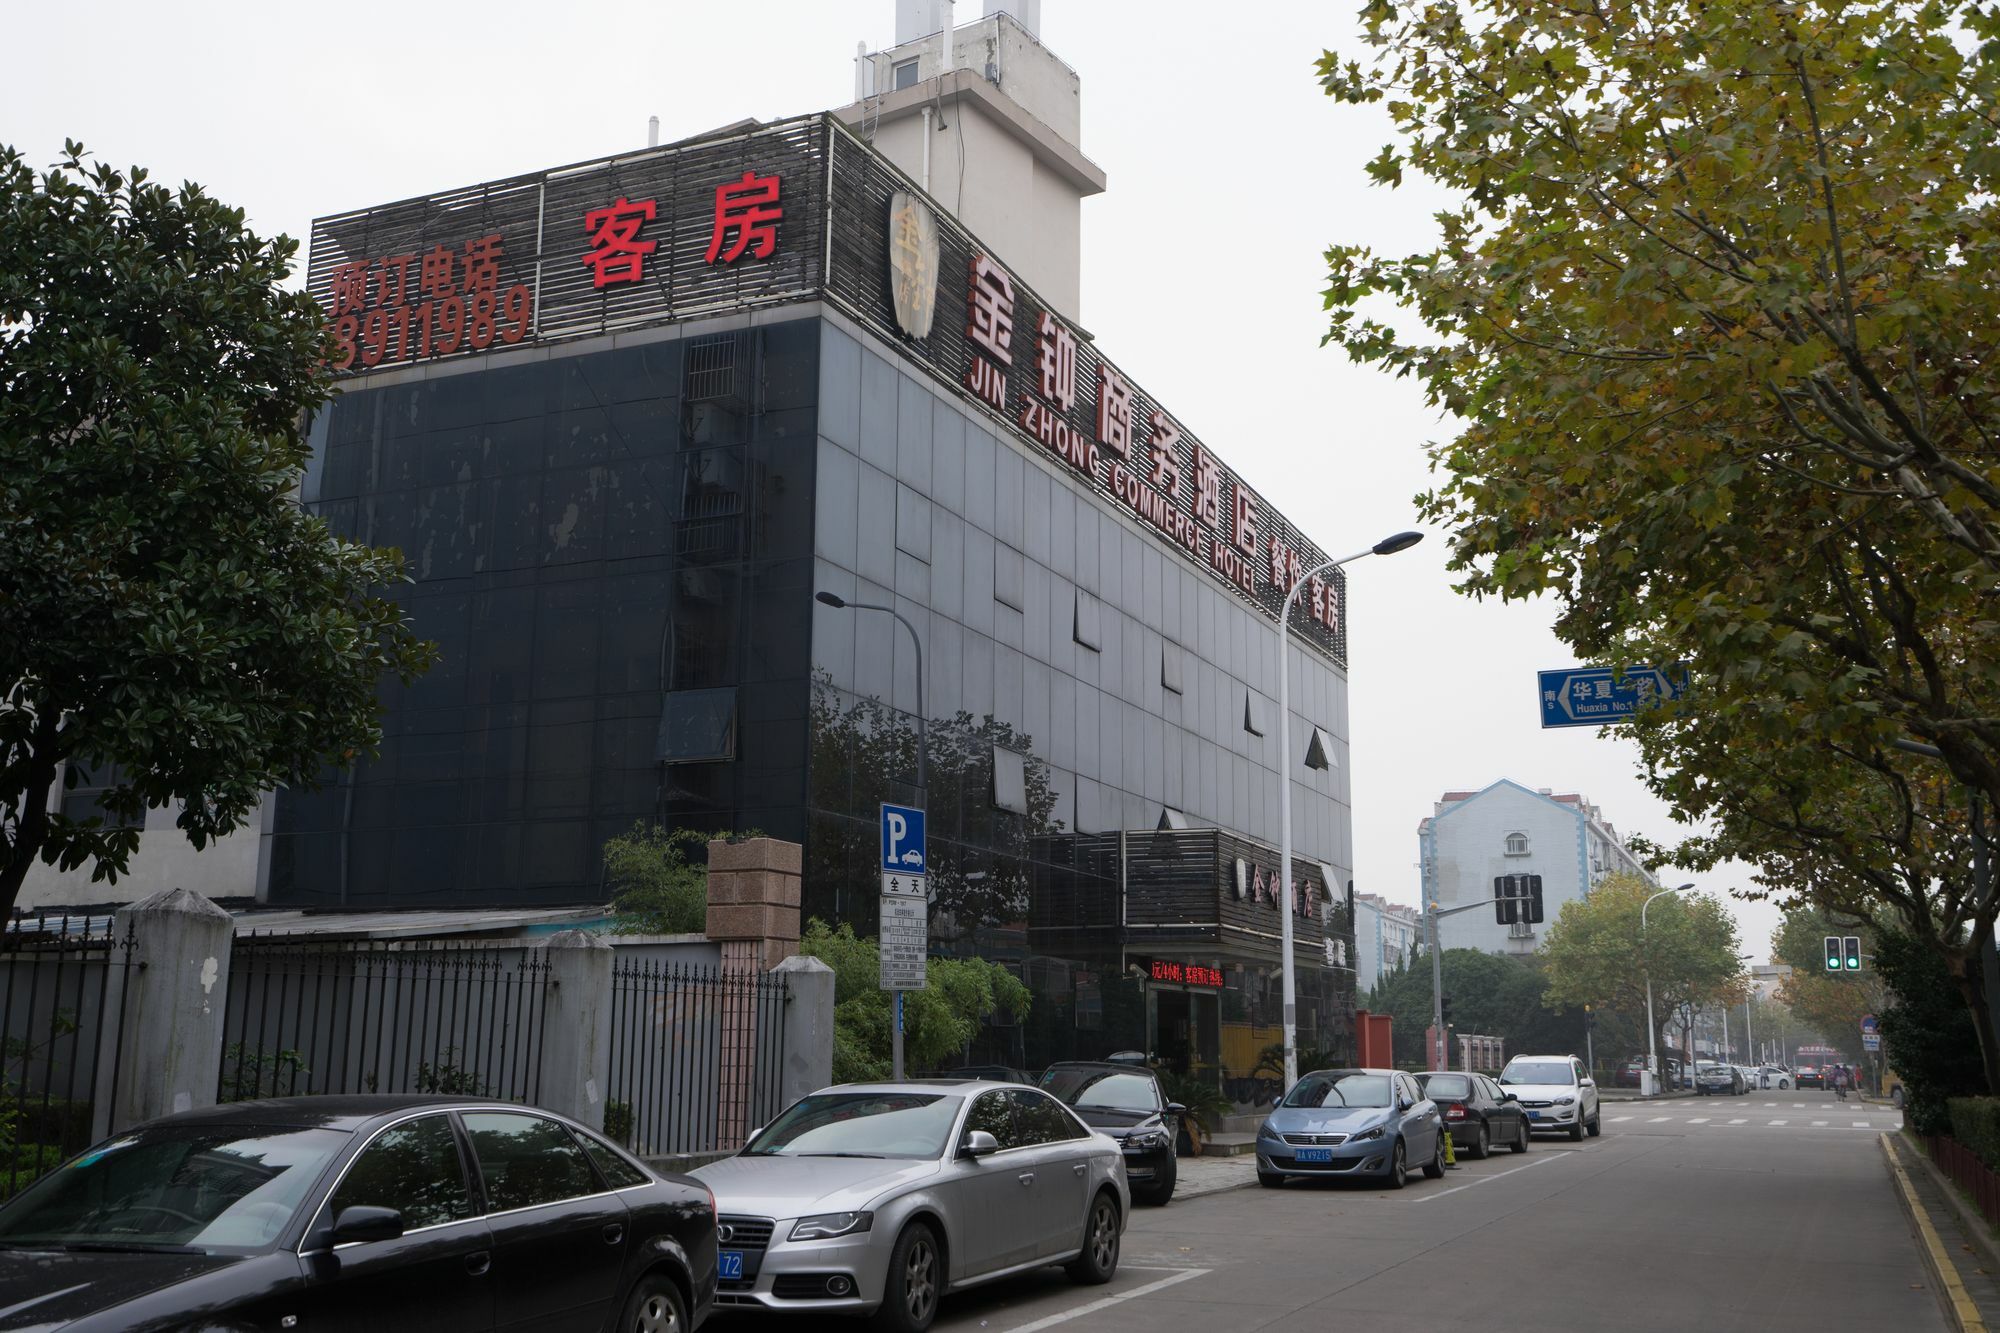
165,605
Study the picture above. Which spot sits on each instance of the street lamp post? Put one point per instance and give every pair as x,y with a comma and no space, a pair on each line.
1401,541
923,777
1652,1037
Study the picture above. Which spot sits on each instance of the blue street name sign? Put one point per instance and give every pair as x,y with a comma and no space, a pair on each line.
903,846
1598,696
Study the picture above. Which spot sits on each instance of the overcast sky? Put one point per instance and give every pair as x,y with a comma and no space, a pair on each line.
1229,173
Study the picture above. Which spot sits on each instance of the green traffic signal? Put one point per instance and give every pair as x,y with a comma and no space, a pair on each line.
1853,952
1833,953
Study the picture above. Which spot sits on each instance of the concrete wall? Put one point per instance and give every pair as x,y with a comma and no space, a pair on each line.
227,868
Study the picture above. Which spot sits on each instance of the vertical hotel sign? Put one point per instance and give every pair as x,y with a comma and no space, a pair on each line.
638,239
1000,344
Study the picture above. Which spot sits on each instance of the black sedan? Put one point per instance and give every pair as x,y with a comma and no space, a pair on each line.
362,1213
1125,1102
1480,1114
1719,1081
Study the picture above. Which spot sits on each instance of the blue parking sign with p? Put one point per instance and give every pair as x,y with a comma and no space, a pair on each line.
903,847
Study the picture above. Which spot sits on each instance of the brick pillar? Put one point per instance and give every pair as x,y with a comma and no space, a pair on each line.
753,914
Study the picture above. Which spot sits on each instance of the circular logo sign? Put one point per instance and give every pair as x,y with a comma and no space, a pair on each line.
913,263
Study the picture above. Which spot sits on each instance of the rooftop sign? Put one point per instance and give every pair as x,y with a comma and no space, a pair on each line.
792,211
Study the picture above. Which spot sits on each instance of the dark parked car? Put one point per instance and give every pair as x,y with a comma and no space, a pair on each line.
361,1213
1719,1080
1812,1076
1479,1113
1125,1102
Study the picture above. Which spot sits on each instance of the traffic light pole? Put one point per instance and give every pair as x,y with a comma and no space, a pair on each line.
1432,912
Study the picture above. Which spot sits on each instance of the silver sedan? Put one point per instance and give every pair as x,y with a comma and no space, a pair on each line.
881,1197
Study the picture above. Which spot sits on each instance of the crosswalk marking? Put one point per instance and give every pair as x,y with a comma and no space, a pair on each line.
1699,1120
1798,1106
1819,1124
1770,1106
1781,1122
1861,1124
1620,1119
1659,1118
1739,1122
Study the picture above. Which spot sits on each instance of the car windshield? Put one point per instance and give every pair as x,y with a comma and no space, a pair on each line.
177,1187
1453,1086
1537,1071
1340,1088
1103,1089
860,1124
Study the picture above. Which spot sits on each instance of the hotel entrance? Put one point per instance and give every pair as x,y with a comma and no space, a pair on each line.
1184,1027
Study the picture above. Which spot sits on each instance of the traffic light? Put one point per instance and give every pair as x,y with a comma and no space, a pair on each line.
1444,1009
1833,953
1851,948
1531,906
1506,910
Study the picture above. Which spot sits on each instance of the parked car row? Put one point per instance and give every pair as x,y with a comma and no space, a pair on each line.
466,1214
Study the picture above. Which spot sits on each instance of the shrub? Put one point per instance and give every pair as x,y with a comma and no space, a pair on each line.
1975,1122
1927,1033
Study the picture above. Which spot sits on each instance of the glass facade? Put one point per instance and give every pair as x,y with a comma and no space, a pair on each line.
612,551
616,552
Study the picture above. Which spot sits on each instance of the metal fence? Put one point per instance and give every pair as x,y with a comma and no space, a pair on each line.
403,1017
62,1021
696,1056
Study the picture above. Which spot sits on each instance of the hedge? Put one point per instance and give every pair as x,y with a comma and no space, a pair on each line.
1975,1123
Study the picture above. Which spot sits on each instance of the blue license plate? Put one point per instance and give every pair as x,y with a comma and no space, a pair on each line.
1534,1115
1315,1154
732,1264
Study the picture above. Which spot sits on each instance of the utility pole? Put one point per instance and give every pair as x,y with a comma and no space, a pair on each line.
1437,991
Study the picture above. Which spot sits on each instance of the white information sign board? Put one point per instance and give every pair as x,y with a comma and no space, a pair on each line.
904,939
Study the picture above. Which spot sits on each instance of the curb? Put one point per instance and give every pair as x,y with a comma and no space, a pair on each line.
1957,1303
1970,1221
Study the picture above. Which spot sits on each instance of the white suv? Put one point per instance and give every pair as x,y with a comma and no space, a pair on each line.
1556,1091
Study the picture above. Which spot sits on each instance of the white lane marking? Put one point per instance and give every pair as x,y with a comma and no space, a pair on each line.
1862,1124
1770,1106
1497,1175
1739,1122
1658,1119
1699,1120
1798,1106
1819,1124
1781,1122
1620,1119
1063,1317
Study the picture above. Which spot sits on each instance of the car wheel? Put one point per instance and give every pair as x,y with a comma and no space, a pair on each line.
655,1307
1399,1168
1477,1152
1270,1180
1434,1169
1896,1098
910,1293
1576,1132
1099,1261
1596,1125
1161,1190
1521,1144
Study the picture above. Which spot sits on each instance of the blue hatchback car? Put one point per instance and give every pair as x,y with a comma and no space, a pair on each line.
1351,1122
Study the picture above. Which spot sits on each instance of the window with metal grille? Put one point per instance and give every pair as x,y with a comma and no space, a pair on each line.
1517,844
711,368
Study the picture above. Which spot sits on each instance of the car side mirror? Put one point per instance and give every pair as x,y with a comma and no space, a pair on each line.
363,1223
1404,1103
979,1144
1508,1096
1175,1108
1588,1083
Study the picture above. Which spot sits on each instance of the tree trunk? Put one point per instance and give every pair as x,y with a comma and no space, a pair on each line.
33,828
1970,969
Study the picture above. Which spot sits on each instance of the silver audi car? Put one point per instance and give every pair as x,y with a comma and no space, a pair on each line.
881,1197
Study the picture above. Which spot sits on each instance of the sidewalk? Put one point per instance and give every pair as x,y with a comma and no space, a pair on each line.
1961,1262
1213,1175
